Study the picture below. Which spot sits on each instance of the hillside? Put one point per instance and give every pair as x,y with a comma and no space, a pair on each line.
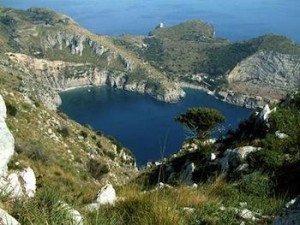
56,171
192,55
66,55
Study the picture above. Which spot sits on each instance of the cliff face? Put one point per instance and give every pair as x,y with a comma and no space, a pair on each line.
266,73
58,76
55,53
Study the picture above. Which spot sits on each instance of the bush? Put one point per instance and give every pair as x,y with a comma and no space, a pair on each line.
88,126
83,133
97,169
64,131
256,184
62,115
35,151
99,133
110,154
115,142
11,109
99,145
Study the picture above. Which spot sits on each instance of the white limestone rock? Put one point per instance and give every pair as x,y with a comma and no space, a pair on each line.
73,216
233,158
212,156
7,142
107,195
189,209
265,113
247,215
92,207
28,181
281,135
6,219
19,184
162,185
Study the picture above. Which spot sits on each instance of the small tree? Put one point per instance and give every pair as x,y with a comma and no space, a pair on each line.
200,120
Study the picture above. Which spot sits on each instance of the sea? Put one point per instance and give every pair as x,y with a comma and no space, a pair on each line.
141,123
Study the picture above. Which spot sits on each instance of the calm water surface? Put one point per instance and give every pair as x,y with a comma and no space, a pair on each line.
141,123
233,19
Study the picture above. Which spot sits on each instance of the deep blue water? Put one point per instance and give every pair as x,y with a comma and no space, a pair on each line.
142,124
233,19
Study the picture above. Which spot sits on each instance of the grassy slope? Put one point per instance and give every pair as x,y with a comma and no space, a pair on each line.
66,157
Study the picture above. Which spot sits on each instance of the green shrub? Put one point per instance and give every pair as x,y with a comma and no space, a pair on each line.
97,168
88,126
11,108
64,131
62,115
83,133
257,184
35,151
99,133
99,145
110,154
115,142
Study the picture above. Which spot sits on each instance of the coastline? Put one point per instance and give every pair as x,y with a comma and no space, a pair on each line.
246,101
77,87
250,102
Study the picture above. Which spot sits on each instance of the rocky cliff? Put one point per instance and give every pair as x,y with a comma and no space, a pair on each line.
58,76
266,73
61,55
6,140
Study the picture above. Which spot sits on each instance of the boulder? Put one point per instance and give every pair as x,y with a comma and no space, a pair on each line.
19,184
265,113
233,158
281,135
7,142
290,214
247,214
212,156
28,181
186,175
73,216
106,195
6,219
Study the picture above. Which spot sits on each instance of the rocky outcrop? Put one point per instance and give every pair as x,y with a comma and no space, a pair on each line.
186,175
74,42
72,215
242,99
6,219
265,113
232,158
7,143
290,214
19,184
106,195
56,76
266,73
